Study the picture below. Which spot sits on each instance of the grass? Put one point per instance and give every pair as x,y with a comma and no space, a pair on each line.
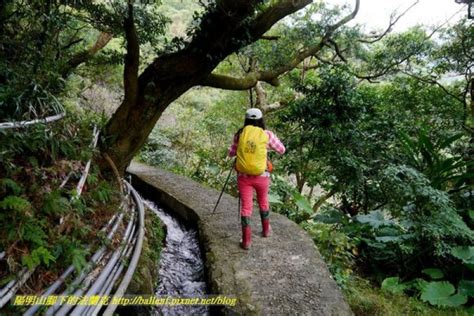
366,298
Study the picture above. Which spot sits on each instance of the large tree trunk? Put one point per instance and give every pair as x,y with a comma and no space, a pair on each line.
130,125
223,31
232,24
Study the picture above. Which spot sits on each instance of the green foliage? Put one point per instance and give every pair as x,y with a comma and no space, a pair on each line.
465,253
430,212
302,203
336,248
38,256
393,285
78,258
35,161
466,288
318,131
375,219
14,203
103,192
366,298
443,170
189,144
442,294
393,50
433,273
54,203
41,43
31,230
438,293
72,251
10,186
18,222
295,206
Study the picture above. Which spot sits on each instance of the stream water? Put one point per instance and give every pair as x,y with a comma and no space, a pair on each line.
181,271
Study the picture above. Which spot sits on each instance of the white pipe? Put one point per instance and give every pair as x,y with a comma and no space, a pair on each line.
66,180
99,280
107,289
83,178
53,287
25,275
7,287
19,124
104,275
136,253
95,258
82,181
107,275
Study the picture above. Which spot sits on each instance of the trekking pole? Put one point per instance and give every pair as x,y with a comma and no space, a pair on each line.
222,192
238,209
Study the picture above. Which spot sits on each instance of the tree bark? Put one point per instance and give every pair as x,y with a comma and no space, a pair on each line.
102,40
300,181
223,31
232,24
323,199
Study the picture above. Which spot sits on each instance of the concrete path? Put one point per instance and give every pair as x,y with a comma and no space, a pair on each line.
280,275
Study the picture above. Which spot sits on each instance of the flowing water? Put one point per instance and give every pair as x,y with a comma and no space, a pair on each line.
181,271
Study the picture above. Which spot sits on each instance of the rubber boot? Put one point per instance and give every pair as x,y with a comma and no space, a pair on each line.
265,217
246,232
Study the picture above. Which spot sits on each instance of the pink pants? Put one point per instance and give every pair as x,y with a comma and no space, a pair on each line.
246,185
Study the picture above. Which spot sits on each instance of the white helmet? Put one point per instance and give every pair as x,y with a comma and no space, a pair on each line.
253,114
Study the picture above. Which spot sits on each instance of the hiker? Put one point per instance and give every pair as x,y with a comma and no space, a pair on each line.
253,168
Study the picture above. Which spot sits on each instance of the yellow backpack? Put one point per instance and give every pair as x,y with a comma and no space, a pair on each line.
252,151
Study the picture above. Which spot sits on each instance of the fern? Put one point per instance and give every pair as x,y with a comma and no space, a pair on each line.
73,252
14,203
103,192
54,203
10,185
431,159
38,256
78,258
32,231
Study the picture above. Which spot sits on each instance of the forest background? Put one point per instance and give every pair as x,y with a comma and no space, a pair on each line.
378,128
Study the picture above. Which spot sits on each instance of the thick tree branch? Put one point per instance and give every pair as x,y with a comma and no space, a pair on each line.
242,83
102,40
345,20
224,29
274,13
130,73
271,76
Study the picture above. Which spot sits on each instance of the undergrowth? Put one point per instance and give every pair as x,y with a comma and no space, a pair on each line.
366,298
45,225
